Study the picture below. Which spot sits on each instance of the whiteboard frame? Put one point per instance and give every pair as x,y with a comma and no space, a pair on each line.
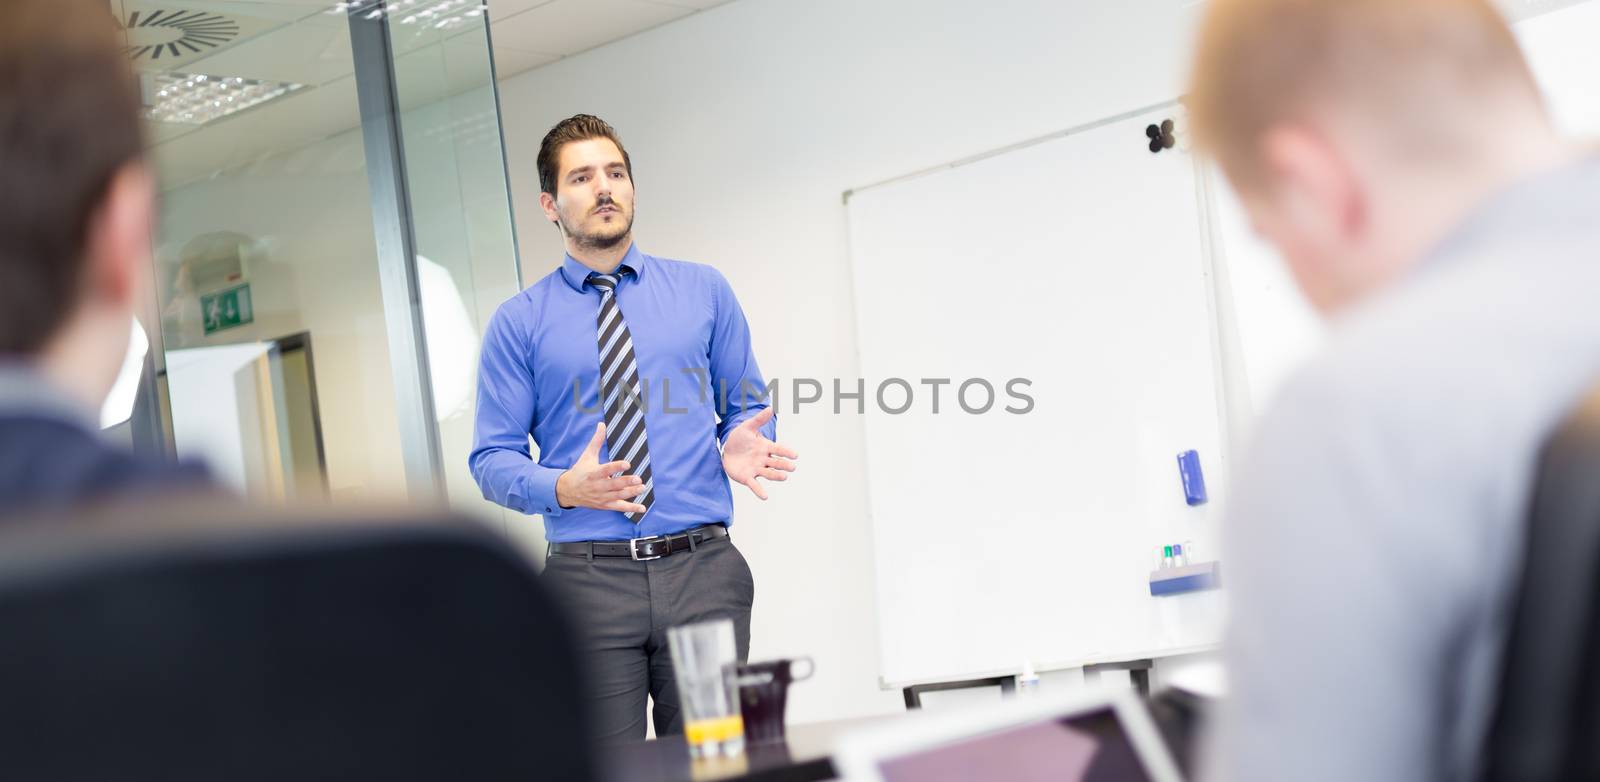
1231,391
998,151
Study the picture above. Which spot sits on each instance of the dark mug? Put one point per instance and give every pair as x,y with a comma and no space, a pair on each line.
763,694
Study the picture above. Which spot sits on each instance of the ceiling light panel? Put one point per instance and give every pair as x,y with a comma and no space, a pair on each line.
198,99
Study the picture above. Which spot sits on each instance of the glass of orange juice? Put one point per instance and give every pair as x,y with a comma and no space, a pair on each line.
703,660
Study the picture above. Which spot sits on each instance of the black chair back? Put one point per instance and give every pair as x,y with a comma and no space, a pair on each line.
1546,725
272,649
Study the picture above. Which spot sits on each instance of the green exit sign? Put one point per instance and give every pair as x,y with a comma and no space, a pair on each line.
226,309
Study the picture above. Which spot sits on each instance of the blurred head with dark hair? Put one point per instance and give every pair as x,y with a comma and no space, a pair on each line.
75,230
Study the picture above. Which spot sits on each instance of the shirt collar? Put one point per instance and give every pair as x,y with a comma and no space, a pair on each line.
576,273
25,390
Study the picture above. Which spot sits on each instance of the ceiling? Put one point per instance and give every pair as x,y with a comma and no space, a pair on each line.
308,42
530,33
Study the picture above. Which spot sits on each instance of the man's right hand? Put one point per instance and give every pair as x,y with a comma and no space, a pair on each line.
589,483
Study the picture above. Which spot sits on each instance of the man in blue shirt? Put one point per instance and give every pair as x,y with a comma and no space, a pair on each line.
629,371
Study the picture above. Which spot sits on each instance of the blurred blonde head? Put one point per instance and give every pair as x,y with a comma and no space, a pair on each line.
1358,132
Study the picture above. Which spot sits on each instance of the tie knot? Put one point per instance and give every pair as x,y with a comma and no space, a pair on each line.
605,282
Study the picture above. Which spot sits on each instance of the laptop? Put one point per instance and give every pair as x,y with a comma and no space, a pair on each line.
1095,737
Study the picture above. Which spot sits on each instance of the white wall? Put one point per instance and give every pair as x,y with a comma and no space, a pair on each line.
1561,52
746,123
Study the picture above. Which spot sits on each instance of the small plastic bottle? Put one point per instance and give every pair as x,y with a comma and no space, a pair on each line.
1027,681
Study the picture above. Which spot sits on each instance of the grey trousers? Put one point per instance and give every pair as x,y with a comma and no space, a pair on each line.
621,611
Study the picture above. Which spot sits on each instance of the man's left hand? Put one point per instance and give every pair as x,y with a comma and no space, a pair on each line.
747,455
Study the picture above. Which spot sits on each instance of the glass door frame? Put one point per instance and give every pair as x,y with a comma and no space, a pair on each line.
394,229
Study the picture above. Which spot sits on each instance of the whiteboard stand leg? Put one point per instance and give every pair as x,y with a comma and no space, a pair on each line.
1138,673
913,694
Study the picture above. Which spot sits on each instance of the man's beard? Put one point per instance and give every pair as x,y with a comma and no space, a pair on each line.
599,241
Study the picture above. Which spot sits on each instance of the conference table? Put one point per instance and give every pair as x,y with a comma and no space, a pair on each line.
806,756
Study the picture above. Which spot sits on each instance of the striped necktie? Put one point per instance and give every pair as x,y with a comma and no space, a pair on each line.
619,387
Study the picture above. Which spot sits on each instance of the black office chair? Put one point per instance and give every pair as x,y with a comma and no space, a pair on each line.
210,647
1546,725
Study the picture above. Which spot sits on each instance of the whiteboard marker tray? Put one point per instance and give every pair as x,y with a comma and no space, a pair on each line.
1188,578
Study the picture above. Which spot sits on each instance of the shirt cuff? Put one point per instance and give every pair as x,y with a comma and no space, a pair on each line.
542,490
769,431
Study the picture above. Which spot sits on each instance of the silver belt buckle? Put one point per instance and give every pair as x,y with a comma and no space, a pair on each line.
633,549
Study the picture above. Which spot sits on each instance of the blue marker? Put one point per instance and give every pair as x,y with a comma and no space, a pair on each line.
1194,481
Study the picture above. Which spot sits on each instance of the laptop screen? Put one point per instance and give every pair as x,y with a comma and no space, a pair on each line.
1088,747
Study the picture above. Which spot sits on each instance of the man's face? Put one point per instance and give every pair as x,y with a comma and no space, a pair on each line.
594,194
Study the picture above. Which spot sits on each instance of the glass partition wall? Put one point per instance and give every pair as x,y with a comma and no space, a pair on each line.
335,230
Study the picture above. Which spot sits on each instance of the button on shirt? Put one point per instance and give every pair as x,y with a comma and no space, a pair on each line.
539,374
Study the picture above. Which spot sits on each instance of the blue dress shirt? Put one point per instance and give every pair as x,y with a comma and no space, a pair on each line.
539,374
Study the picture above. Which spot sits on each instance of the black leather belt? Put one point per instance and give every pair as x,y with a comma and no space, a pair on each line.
641,549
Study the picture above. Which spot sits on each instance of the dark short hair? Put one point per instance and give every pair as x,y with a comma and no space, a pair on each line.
578,127
69,121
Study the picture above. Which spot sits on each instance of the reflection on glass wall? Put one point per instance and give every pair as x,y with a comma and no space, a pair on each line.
275,354
466,263
266,235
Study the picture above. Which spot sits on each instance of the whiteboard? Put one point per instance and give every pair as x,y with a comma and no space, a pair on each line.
1075,262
